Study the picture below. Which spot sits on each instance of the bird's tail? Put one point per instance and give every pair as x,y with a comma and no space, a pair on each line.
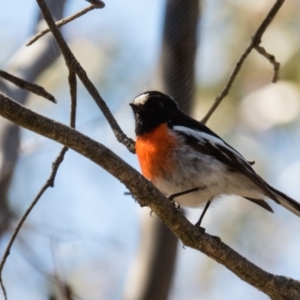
287,202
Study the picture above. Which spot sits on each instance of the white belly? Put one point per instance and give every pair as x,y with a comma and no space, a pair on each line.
212,177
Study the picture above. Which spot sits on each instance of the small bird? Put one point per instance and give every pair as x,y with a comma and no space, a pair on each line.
188,162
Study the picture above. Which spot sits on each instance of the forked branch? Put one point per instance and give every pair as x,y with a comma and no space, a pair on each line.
254,44
64,21
74,65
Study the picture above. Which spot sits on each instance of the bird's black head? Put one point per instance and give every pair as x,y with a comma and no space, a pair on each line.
152,109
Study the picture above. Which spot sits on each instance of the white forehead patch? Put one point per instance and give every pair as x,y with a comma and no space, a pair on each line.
141,99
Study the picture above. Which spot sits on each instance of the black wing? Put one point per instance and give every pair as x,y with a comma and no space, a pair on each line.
212,145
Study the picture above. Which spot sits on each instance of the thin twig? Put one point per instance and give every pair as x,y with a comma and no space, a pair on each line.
98,3
23,84
228,85
255,41
271,58
64,21
74,65
73,93
49,183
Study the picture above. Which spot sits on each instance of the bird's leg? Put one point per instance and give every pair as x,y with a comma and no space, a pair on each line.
203,213
171,197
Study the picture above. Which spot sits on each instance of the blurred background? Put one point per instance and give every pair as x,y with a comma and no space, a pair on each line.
85,233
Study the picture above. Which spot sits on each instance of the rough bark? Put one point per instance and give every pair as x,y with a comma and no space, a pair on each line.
275,286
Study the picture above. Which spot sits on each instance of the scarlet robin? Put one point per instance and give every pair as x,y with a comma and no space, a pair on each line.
186,160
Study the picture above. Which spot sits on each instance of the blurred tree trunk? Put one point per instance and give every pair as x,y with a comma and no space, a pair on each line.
179,51
152,274
28,64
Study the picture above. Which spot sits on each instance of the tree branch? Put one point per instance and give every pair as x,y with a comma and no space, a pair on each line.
64,21
276,287
271,58
255,42
73,94
23,84
73,65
